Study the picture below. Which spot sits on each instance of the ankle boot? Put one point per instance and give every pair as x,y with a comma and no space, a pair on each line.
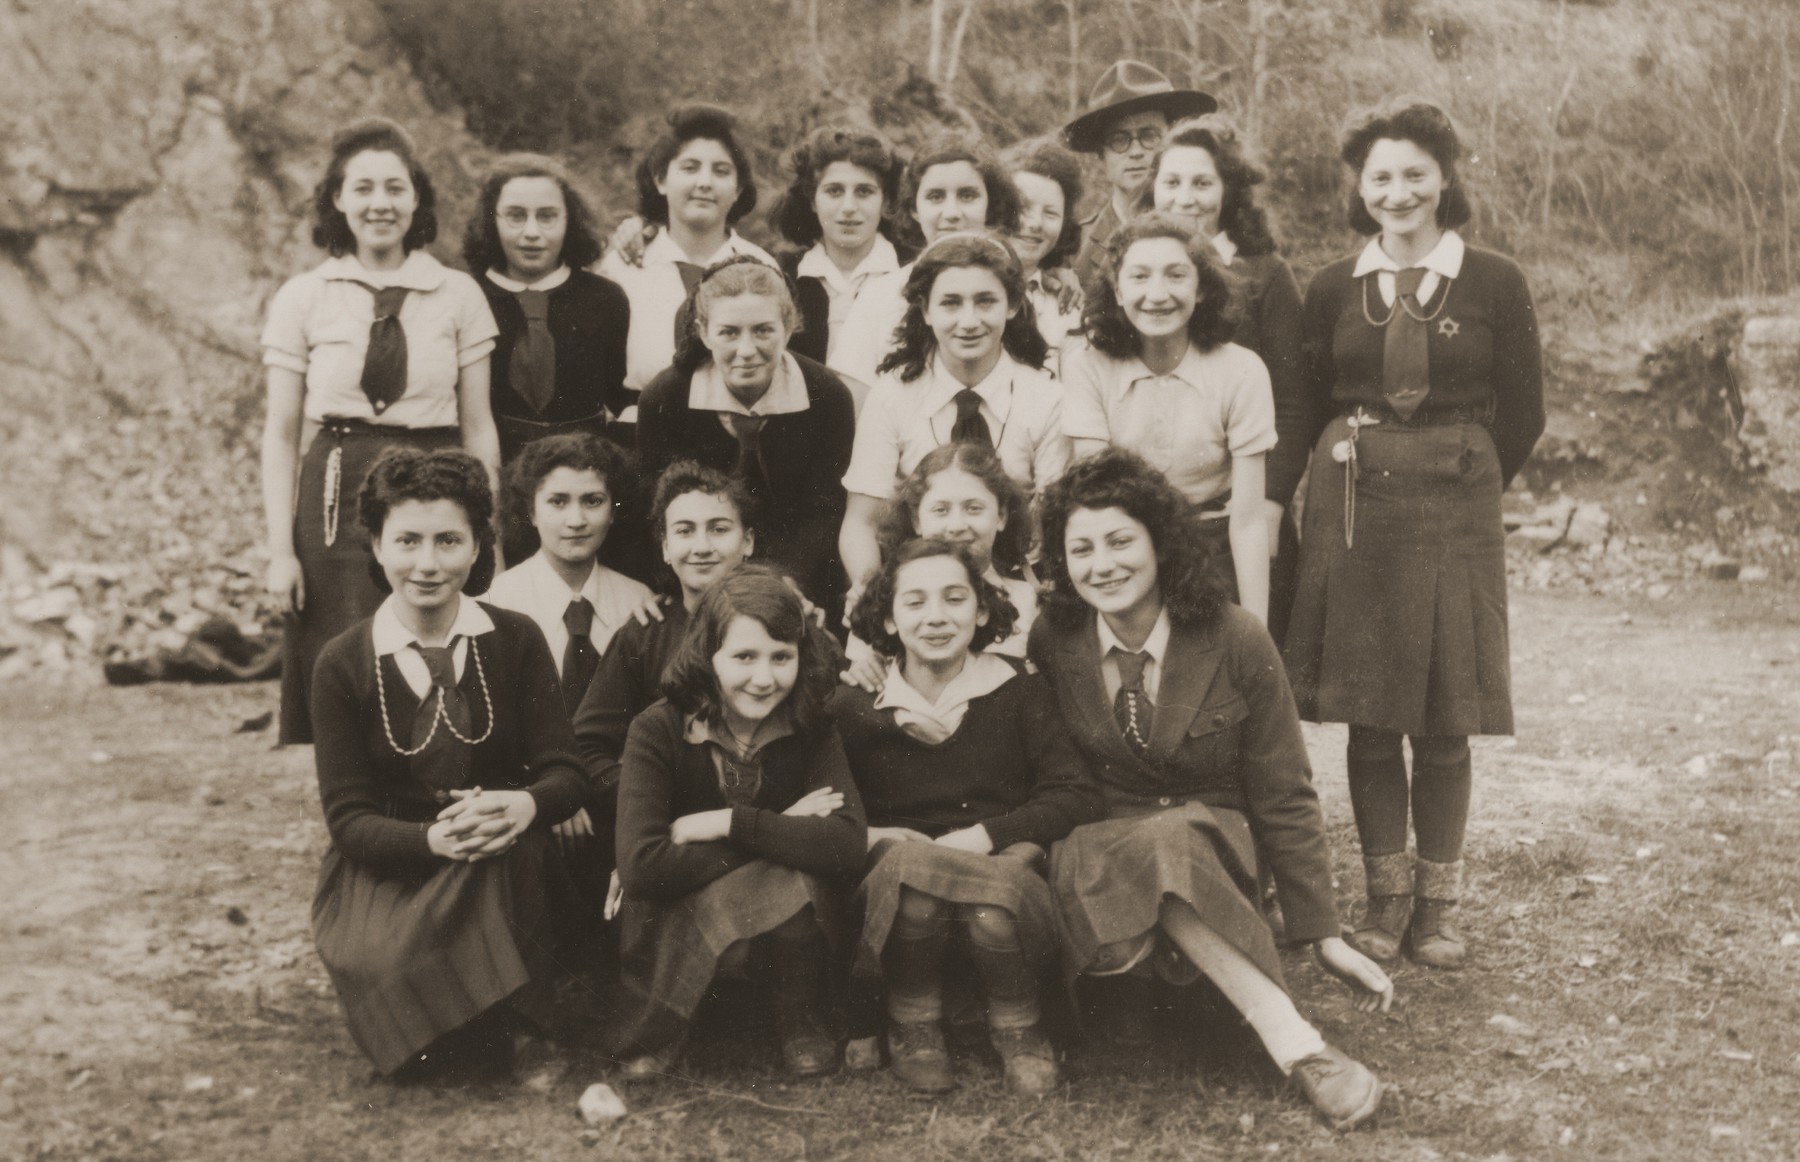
1430,939
1389,880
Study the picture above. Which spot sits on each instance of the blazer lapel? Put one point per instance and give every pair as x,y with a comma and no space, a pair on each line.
1081,662
1189,668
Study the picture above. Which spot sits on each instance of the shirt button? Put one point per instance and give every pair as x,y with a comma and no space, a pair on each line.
1218,720
1165,801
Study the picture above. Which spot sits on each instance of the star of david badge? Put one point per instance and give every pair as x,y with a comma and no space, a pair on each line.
1449,328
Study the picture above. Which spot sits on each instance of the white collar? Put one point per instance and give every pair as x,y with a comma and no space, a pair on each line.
880,259
662,249
778,725
786,395
550,587
1445,259
420,272
391,635
548,283
934,722
1156,645
1191,369
995,390
1224,247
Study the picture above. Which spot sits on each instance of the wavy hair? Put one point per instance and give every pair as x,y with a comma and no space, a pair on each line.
331,230
692,123
579,451
1187,573
1214,317
914,342
876,605
685,476
1045,158
900,516
1426,126
481,237
760,593
793,215
402,473
946,149
741,274
1240,218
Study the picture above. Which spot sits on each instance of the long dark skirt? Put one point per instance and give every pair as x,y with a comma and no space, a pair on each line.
340,591
1283,567
1406,629
670,951
1110,879
414,959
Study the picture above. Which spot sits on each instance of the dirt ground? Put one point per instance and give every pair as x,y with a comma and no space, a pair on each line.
1634,990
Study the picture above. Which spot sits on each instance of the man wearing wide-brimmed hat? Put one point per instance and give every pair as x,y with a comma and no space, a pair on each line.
1129,110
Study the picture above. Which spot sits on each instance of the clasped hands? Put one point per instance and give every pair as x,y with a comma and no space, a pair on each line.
974,840
477,824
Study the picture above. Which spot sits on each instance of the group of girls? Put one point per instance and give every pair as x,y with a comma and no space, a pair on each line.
842,752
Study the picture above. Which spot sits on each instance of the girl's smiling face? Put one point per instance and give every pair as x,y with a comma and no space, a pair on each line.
967,309
426,549
572,511
936,610
1041,216
704,538
1401,186
701,185
1158,287
378,200
958,507
755,673
532,221
1111,561
1187,182
952,196
848,202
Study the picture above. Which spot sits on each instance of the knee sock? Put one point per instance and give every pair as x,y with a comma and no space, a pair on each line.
1440,795
1006,977
1287,1035
797,953
914,958
1377,769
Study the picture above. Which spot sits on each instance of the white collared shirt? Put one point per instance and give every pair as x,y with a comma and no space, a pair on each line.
933,722
843,289
318,327
656,292
1224,247
786,395
1444,262
532,587
1189,424
548,283
1156,645
867,335
902,422
391,636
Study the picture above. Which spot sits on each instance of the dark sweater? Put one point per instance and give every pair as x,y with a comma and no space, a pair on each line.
376,810
1010,766
806,454
666,777
1483,348
813,300
589,317
1269,323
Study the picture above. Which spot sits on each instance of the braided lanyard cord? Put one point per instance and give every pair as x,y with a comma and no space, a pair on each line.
334,485
438,713
1443,297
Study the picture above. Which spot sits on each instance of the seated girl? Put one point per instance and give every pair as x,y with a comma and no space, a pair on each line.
444,757
968,776
738,825
1179,703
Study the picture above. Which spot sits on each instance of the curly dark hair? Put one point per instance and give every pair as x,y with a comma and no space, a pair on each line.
1214,318
876,605
741,274
331,230
481,237
685,476
1426,126
1240,218
900,516
914,341
1044,157
948,148
759,592
401,473
692,123
1188,574
580,451
793,216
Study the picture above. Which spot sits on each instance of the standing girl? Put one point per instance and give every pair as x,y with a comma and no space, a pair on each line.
1177,700
379,344
1425,350
1203,174
969,367
443,757
738,823
969,777
1048,178
838,215
1162,379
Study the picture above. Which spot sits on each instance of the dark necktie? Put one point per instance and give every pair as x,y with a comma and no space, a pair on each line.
749,466
971,426
532,369
580,659
446,762
691,274
1132,707
1405,362
384,367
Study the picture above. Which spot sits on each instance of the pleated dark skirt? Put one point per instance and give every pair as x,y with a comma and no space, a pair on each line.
670,950
1012,880
1109,880
414,959
1405,630
339,589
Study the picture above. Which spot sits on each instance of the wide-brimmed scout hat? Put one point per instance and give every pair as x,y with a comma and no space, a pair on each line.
1127,87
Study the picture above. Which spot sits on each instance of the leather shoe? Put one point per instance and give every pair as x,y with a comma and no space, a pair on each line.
919,1057
1339,1087
1030,1060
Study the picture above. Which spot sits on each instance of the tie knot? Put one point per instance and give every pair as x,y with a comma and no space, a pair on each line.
968,403
747,429
1131,665
579,618
439,665
535,304
388,301
1407,281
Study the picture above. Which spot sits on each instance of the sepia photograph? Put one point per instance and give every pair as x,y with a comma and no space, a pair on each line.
887,580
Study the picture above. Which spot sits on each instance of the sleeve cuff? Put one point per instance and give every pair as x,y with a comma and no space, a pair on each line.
274,357
743,826
474,353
